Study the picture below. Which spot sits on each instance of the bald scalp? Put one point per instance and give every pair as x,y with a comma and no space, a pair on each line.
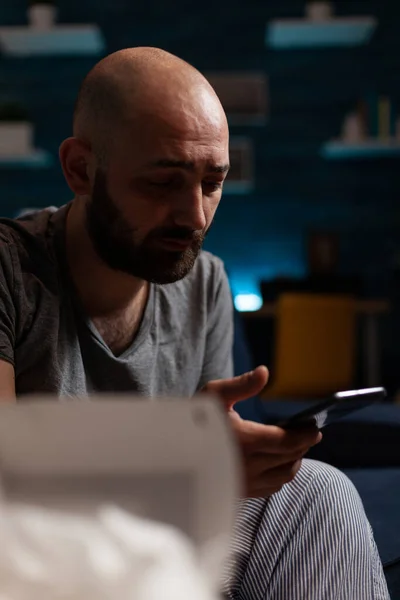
122,86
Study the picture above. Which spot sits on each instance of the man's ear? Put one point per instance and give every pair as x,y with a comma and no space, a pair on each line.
77,162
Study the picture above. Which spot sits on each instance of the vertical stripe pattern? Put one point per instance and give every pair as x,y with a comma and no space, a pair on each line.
310,541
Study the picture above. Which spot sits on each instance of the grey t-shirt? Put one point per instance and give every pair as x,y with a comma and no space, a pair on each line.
184,340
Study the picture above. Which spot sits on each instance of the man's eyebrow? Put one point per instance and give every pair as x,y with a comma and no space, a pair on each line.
165,163
218,168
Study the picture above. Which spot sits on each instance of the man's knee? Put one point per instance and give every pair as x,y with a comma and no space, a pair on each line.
322,478
334,502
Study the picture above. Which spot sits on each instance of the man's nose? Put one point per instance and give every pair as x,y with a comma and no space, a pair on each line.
189,210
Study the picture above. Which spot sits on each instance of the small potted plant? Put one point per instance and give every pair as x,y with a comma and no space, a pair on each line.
42,14
16,130
319,10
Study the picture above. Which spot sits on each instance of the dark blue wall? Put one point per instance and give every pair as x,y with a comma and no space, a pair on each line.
261,235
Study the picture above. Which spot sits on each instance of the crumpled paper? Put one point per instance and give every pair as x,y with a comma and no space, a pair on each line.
48,554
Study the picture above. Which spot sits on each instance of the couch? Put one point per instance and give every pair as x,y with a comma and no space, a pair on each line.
364,445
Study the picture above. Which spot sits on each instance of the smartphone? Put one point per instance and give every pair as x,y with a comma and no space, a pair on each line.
330,410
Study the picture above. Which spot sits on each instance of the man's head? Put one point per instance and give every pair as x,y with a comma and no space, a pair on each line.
148,159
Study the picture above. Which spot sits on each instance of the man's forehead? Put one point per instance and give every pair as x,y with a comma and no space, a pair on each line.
179,123
147,148
187,165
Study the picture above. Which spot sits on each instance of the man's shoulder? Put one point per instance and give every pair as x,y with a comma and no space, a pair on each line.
27,250
32,224
27,234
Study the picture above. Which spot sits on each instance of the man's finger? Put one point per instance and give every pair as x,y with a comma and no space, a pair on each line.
271,439
239,388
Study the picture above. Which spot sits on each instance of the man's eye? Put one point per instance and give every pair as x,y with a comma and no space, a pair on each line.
213,186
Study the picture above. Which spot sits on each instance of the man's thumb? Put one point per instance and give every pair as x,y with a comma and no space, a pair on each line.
239,388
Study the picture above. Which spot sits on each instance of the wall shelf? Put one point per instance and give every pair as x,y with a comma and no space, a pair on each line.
58,41
305,33
36,159
368,149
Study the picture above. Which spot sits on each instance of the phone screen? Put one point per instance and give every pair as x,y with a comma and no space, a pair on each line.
338,406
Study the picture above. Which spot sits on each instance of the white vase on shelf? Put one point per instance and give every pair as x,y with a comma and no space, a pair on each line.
42,16
16,138
353,130
319,11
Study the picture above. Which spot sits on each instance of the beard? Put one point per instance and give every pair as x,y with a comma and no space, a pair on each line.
113,239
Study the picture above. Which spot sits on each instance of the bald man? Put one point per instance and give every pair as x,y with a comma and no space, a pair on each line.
113,293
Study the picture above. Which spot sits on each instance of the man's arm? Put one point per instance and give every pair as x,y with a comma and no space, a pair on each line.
7,382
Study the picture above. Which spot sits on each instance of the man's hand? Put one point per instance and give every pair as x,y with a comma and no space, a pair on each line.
271,455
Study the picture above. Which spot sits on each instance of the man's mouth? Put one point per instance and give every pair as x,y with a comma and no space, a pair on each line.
175,244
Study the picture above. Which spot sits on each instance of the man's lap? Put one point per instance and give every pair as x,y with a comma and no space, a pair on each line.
310,540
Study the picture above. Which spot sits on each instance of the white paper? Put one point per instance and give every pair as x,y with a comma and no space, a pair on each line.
54,555
115,499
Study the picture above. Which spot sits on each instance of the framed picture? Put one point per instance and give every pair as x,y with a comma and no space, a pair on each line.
243,95
240,178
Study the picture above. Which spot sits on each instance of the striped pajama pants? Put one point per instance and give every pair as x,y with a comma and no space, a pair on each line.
310,541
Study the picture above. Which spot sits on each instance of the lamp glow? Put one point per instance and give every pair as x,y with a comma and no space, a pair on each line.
247,302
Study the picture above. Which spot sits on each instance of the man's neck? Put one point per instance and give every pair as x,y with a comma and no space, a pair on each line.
103,292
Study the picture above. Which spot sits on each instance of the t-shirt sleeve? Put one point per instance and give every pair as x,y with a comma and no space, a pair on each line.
218,356
7,308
